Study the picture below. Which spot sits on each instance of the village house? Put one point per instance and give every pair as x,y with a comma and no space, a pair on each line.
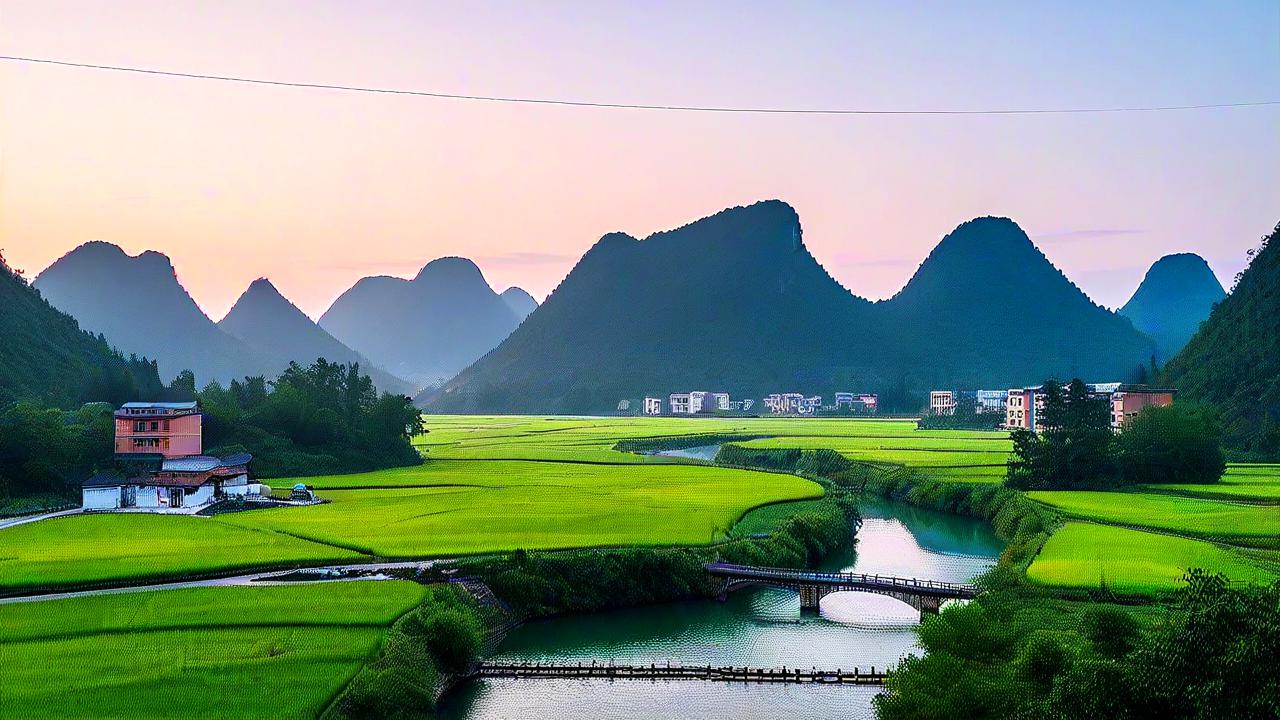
652,406
160,444
946,402
857,402
1024,405
698,401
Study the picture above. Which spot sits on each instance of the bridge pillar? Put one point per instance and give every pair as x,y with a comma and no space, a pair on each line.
928,605
811,596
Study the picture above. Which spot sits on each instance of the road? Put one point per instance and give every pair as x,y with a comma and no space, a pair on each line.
260,578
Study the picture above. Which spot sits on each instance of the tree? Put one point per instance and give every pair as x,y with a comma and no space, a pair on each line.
1074,445
1180,443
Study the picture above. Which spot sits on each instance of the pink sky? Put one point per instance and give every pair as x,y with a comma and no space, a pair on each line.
315,189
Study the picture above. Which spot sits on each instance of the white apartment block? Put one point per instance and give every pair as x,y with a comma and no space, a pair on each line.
652,406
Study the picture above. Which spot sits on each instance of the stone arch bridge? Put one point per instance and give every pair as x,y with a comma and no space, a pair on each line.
926,596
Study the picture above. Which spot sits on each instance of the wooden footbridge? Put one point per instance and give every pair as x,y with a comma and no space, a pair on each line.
742,674
926,596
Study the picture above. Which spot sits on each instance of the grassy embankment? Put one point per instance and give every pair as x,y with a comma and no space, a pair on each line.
280,651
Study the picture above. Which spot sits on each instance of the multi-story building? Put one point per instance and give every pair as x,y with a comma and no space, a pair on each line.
942,402
856,402
810,405
720,401
1024,407
1129,400
785,403
652,406
168,429
679,403
1020,408
990,401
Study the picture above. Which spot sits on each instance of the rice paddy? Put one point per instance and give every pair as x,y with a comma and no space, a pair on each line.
1091,556
225,652
1244,524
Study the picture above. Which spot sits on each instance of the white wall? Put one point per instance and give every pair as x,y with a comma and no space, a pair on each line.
100,498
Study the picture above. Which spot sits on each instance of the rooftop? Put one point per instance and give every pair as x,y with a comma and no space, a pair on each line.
160,405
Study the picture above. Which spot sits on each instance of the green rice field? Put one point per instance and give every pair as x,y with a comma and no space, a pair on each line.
136,546
1237,523
1085,555
1250,483
278,651
477,507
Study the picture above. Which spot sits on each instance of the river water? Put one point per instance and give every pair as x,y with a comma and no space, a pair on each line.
756,627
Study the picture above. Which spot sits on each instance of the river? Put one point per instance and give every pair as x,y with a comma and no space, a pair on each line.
756,627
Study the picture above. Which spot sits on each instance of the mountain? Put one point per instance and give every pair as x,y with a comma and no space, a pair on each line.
1233,360
733,301
46,357
520,302
1176,295
139,305
425,329
264,318
736,302
986,308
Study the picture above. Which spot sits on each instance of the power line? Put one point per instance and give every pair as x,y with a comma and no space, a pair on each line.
636,106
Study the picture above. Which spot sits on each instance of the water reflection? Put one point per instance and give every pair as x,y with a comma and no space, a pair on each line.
759,627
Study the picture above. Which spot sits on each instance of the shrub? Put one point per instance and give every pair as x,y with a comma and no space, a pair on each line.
1180,443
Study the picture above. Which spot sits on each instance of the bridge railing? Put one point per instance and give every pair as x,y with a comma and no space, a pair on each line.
836,578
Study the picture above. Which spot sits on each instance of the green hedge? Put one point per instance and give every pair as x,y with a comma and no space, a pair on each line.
440,637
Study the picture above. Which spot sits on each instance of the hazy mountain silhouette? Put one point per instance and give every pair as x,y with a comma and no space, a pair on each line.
425,329
1233,360
732,301
46,357
1176,295
987,308
263,318
736,302
139,305
520,302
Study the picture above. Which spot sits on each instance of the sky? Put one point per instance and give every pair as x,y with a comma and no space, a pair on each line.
318,188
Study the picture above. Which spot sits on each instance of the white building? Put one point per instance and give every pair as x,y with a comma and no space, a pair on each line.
185,482
784,403
697,401
652,406
679,403
942,402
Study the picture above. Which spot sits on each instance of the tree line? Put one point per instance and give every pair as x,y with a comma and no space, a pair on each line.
1074,447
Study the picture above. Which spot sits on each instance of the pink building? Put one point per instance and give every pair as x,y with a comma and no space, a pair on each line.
1129,400
168,429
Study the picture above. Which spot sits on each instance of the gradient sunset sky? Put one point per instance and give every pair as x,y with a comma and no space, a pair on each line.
315,188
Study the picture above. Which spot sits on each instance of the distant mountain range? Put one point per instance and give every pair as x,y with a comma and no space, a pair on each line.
520,302
264,318
46,357
139,305
1233,360
1176,295
428,328
736,302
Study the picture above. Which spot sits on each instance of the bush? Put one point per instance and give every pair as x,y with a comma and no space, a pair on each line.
441,636
1112,631
1180,443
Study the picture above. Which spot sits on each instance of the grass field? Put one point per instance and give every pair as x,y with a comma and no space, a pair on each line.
1253,525
494,506
227,652
1088,555
91,548
1257,483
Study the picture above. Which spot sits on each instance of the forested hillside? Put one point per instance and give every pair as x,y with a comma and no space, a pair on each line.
47,358
1233,362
